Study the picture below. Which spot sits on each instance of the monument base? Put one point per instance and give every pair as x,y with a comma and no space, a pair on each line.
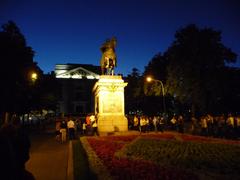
112,123
109,104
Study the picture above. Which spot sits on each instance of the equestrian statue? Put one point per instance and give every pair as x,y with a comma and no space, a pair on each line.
109,60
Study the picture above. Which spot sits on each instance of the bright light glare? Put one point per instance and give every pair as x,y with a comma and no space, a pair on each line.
34,76
149,79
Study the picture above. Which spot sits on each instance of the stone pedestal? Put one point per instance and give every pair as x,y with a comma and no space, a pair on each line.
109,104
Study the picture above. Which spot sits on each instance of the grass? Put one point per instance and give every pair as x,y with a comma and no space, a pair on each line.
80,163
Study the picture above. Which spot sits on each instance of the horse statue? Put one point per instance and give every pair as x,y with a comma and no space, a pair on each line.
109,60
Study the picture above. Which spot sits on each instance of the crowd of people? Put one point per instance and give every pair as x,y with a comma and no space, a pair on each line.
70,127
207,125
218,126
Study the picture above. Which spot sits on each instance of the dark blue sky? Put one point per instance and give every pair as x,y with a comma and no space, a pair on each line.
72,31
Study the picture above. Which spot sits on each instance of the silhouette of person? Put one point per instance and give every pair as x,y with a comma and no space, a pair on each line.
14,151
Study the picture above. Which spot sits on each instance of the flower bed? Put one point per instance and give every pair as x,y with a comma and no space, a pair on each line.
167,156
127,168
188,155
166,136
119,138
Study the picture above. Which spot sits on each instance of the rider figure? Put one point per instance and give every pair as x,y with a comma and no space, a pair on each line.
108,61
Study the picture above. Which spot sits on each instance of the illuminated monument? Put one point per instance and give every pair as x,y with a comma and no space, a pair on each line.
109,93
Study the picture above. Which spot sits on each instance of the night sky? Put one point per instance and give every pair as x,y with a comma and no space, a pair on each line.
72,31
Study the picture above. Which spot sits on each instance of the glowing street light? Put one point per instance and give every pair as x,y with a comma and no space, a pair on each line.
34,76
150,79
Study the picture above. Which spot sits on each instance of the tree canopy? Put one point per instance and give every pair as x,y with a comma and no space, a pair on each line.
156,68
15,75
194,72
196,58
133,90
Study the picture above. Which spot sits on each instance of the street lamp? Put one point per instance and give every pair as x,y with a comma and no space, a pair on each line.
150,79
34,76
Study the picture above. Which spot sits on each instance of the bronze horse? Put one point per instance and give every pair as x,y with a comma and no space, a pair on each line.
109,60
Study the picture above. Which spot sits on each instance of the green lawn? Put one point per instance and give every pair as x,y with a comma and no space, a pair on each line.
80,163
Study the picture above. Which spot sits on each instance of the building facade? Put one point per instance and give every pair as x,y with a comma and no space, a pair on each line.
76,83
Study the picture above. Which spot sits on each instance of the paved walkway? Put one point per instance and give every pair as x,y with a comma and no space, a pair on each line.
48,158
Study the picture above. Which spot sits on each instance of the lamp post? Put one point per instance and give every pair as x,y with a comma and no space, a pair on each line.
150,79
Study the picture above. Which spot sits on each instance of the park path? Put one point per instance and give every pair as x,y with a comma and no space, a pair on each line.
48,158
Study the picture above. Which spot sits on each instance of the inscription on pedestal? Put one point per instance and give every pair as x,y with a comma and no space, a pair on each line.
112,104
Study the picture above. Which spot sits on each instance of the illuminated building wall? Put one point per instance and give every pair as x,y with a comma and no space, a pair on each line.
77,81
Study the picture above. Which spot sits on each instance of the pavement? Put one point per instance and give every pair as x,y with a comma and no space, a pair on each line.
49,159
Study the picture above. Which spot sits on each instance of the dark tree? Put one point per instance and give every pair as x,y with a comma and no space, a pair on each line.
133,91
15,77
195,58
156,69
228,95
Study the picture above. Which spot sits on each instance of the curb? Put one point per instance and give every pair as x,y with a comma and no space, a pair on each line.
70,173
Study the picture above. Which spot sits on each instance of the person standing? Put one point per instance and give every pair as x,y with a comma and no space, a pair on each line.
71,129
147,124
94,126
135,122
63,131
173,122
58,127
180,124
78,126
238,125
193,124
141,124
230,126
155,123
161,124
210,125
203,123
88,124
84,128
92,120
221,126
